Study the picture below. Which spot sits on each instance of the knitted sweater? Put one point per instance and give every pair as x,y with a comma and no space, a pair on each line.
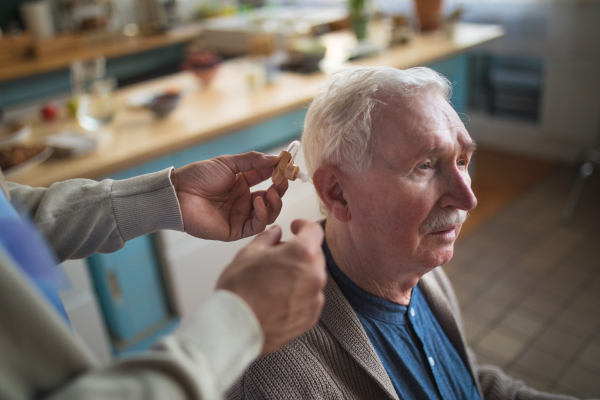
335,359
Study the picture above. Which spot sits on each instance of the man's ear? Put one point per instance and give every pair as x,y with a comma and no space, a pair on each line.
327,182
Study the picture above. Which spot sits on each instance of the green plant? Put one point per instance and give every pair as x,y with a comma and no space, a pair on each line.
356,8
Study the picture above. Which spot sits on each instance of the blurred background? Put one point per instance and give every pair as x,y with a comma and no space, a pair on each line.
117,88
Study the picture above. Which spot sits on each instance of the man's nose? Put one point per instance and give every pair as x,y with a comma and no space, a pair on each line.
459,193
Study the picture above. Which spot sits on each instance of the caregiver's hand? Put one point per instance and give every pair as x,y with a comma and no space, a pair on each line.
281,282
215,198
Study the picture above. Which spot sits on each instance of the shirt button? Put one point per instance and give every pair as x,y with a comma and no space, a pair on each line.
412,312
431,362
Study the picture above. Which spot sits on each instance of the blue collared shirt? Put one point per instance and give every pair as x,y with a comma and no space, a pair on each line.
419,358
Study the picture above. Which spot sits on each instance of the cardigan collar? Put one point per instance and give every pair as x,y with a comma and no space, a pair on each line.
339,317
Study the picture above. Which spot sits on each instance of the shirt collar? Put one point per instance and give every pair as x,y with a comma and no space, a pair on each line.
362,301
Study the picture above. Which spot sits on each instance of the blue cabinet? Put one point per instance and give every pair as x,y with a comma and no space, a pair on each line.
130,288
457,71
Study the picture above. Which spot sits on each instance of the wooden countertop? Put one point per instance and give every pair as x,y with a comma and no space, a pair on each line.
113,48
226,106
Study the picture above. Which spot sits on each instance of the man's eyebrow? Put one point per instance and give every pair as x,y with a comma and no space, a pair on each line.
472,147
433,150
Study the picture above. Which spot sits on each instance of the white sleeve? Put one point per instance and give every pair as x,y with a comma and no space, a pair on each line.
200,360
223,336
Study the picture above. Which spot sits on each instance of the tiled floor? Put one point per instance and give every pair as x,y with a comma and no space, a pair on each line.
530,289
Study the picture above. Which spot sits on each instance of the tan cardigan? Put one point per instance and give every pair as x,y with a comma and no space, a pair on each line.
335,359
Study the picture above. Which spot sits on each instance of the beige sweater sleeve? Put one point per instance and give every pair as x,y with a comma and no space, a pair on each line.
81,216
201,360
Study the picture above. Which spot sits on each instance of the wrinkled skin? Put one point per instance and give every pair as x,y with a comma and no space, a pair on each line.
215,198
399,219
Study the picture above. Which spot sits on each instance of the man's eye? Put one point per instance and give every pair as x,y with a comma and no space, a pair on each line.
462,162
427,165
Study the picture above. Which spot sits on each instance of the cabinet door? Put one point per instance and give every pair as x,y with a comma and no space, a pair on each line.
456,70
130,289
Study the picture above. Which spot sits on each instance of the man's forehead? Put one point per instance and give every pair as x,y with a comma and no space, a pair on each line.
424,124
433,142
430,111
421,143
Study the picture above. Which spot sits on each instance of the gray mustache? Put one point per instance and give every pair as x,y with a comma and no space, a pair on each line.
442,219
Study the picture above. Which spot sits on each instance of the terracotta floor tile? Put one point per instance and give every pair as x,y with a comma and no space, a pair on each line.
499,345
517,372
541,366
588,303
475,329
486,311
465,297
496,296
485,360
526,324
577,324
581,382
567,277
511,293
567,391
518,275
541,306
595,283
559,343
591,357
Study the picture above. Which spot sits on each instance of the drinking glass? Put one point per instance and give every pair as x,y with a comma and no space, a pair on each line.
94,93
96,105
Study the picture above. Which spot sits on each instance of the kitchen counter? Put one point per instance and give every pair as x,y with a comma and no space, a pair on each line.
226,106
112,48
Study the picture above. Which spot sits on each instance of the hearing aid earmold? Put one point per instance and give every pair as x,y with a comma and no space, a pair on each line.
285,168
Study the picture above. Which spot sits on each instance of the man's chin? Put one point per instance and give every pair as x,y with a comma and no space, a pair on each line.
440,256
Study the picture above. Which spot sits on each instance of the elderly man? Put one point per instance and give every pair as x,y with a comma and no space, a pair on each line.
388,156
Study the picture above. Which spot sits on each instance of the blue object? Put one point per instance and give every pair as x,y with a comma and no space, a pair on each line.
416,353
130,290
456,69
29,251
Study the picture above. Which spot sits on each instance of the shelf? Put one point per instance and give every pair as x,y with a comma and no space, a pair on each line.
115,48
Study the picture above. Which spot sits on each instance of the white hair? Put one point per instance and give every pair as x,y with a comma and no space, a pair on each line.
337,128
